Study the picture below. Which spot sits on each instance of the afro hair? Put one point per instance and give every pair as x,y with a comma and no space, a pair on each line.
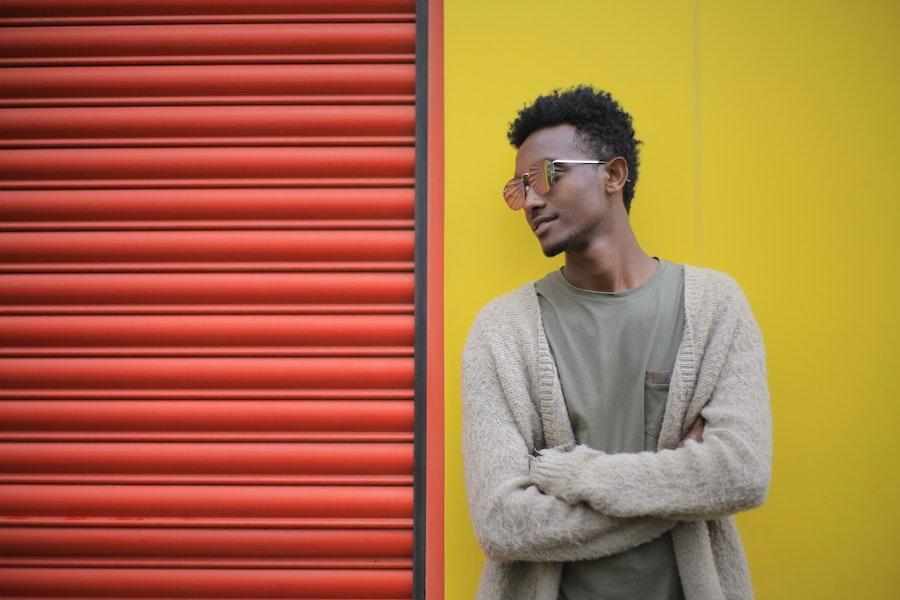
604,128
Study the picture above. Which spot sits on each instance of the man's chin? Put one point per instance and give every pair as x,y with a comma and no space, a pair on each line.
553,249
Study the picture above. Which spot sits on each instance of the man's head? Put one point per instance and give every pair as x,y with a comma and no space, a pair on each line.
577,124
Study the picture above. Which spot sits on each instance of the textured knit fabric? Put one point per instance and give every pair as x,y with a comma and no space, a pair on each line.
614,353
533,510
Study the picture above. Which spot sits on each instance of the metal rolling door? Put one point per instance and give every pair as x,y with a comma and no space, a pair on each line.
207,298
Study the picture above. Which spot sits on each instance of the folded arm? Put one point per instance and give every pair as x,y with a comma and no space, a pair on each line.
513,520
726,473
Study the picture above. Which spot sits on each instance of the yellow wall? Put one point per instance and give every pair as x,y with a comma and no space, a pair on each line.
770,153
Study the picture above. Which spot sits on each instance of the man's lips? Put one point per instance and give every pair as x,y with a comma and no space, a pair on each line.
540,225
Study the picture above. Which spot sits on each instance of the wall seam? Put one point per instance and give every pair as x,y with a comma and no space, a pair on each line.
697,199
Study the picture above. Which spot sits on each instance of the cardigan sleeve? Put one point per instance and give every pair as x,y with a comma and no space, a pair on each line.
513,520
726,473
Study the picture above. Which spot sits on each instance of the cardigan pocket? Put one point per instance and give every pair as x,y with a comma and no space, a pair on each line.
656,392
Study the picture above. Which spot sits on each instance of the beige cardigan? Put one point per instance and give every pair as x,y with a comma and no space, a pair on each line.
595,504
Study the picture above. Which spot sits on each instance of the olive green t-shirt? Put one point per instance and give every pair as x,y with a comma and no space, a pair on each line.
614,352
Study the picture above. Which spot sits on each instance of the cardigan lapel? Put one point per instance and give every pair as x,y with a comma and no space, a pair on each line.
684,372
554,415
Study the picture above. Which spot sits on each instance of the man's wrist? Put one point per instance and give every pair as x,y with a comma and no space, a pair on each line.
561,473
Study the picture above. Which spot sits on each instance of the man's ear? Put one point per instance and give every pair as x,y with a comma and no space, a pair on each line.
616,174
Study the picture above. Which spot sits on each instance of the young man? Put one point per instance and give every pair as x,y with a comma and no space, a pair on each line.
616,411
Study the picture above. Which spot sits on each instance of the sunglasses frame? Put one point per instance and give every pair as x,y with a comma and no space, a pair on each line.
541,176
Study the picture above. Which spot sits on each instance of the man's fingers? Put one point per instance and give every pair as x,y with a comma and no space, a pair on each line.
698,429
695,433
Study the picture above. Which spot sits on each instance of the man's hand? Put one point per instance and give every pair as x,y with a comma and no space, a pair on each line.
555,471
695,433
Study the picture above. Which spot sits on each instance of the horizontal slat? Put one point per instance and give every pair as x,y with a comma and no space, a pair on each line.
218,182
199,125
209,563
197,44
205,84
189,419
139,502
204,290
121,142
209,267
222,584
187,459
205,373
87,542
222,350
211,19
106,395
207,225
210,309
238,334
225,479
177,523
200,543
45,9
202,249
109,167
215,436
181,208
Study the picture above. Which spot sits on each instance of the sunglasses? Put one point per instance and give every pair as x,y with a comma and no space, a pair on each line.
540,177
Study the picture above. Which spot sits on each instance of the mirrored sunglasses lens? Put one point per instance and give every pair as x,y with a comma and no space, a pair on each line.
514,194
549,173
538,176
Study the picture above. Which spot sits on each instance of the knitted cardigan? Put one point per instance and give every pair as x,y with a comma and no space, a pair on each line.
537,499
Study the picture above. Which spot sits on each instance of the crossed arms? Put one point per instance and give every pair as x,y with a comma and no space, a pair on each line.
584,504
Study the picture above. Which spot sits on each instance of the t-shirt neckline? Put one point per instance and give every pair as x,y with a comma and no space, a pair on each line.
601,296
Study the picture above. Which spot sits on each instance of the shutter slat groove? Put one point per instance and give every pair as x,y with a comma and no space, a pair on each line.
318,420
275,352
267,309
181,206
375,224
79,522
206,84
193,250
188,19
210,583
242,9
206,462
199,563
329,437
185,165
197,543
195,125
218,267
198,44
200,289
221,501
223,394
255,480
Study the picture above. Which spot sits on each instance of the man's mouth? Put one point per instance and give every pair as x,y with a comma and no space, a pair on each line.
540,229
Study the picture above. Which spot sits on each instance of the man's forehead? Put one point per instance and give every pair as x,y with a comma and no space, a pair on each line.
548,142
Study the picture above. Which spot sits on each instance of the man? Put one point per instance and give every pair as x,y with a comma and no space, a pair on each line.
616,411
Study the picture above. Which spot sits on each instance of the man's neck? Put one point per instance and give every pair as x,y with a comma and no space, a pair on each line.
609,265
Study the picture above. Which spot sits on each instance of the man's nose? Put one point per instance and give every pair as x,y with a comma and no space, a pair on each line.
533,200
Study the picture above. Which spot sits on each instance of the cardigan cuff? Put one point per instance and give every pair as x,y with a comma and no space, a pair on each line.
560,471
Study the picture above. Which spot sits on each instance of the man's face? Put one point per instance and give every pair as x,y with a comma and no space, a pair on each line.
568,215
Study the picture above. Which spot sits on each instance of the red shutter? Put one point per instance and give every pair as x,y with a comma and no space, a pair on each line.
206,298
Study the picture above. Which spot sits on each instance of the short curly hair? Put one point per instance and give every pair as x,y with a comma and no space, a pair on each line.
604,127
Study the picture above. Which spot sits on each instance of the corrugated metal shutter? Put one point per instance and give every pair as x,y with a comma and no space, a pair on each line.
206,337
